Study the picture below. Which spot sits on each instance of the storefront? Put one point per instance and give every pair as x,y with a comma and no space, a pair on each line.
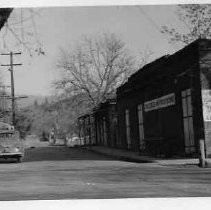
106,123
165,107
86,129
100,126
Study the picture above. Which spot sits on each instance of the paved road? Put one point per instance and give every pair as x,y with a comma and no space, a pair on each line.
73,173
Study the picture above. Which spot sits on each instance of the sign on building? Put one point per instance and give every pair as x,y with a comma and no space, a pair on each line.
158,103
206,100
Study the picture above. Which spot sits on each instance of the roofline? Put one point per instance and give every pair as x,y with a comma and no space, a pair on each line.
157,63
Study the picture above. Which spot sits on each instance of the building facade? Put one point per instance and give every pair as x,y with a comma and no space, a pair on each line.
100,126
86,130
106,123
165,107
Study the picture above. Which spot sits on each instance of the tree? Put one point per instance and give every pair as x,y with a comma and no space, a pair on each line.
23,123
20,31
95,68
46,101
196,19
35,103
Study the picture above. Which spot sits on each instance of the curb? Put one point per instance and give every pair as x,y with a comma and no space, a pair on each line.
145,160
207,164
124,158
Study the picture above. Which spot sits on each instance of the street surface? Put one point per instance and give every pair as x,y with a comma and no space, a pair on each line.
56,172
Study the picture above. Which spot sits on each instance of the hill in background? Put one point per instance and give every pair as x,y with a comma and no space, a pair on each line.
37,117
31,99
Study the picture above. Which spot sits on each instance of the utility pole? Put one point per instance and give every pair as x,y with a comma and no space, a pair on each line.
4,114
11,54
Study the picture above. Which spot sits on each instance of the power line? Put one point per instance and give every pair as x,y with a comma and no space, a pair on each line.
150,19
154,24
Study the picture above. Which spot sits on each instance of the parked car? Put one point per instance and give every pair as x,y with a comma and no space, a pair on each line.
74,141
11,145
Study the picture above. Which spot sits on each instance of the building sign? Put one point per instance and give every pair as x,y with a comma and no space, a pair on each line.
206,100
158,103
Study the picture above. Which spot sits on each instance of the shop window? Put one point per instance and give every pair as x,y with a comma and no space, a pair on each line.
188,121
127,123
141,126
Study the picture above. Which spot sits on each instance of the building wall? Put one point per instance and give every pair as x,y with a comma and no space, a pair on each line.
105,122
168,127
85,126
112,126
205,76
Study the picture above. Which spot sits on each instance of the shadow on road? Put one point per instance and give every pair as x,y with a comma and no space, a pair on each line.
58,153
9,160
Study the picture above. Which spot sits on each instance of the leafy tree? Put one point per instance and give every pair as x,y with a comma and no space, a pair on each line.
95,68
42,120
23,123
46,101
35,103
20,31
61,114
196,19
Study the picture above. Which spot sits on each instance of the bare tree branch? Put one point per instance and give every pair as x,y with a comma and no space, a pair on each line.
21,31
96,67
196,18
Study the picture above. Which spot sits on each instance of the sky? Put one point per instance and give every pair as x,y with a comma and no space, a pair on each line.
63,27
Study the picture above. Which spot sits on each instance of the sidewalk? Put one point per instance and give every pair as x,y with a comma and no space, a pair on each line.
135,157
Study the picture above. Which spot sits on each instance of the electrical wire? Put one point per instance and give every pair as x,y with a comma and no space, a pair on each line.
153,23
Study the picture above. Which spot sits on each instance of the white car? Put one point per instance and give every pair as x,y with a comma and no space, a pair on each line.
11,146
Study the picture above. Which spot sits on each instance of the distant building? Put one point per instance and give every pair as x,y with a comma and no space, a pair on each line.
105,123
85,129
100,126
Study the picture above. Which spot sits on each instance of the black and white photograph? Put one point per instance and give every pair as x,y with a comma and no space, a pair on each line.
108,101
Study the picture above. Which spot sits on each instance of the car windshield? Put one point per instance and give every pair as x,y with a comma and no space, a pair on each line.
7,135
